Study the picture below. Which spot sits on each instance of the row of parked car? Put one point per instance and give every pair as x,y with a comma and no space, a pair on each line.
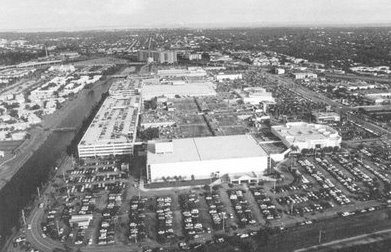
356,169
165,218
265,204
241,207
325,183
216,209
290,188
339,175
107,226
307,202
137,231
190,210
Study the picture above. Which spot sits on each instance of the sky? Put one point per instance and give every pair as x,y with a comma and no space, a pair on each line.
100,14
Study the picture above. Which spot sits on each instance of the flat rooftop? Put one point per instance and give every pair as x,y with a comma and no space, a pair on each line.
303,132
115,122
190,89
191,71
208,148
124,85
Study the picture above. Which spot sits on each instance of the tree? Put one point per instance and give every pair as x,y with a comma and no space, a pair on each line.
192,177
13,113
149,134
304,151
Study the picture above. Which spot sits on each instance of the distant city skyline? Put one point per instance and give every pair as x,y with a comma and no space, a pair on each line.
68,15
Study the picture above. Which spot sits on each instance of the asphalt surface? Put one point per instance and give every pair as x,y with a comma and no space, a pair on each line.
34,235
305,92
348,242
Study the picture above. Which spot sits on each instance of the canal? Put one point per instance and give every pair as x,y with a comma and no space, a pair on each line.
19,191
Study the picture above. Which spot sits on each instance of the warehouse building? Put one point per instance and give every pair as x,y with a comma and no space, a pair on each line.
326,117
307,136
182,72
171,91
205,157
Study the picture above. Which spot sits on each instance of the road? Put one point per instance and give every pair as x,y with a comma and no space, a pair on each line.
357,77
305,92
34,235
351,241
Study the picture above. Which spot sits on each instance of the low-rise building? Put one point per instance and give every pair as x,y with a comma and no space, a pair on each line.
302,76
255,95
307,136
234,76
205,157
324,117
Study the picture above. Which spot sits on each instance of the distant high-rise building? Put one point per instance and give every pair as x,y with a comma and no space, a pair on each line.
160,56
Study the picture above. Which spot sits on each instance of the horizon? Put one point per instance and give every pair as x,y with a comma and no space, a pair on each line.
84,15
194,27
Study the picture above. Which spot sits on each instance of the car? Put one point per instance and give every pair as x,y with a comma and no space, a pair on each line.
29,226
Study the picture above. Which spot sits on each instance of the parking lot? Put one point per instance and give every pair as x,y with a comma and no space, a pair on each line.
96,204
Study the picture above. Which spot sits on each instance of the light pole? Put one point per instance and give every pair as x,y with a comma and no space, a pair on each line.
320,236
223,217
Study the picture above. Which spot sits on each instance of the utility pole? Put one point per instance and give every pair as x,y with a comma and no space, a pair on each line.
39,193
320,236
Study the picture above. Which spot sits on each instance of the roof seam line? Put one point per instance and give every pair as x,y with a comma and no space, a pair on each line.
198,153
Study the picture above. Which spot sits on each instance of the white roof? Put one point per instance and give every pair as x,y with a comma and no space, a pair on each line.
190,89
115,120
303,132
208,148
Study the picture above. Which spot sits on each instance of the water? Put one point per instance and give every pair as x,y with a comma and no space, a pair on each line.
19,190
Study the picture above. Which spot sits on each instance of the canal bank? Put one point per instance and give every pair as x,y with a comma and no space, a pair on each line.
38,162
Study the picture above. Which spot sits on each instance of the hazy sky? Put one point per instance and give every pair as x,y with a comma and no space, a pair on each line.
79,14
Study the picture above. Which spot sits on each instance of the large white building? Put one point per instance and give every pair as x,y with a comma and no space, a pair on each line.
170,91
307,136
114,128
181,72
205,157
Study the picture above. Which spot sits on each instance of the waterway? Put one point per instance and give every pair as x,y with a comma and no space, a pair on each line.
16,194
